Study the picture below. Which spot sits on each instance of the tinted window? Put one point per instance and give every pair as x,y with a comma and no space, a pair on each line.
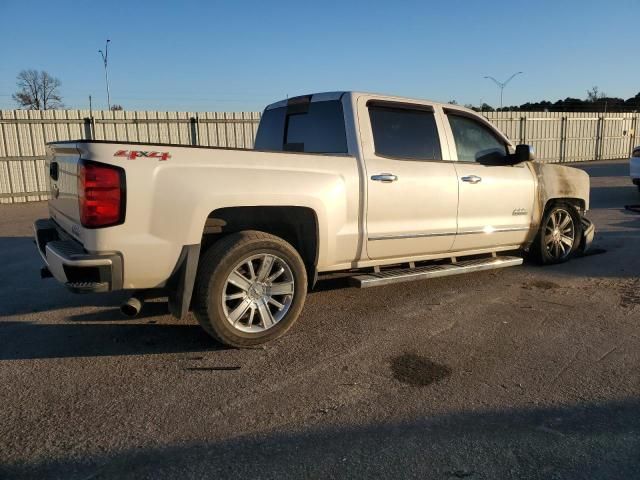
405,133
474,141
320,129
271,130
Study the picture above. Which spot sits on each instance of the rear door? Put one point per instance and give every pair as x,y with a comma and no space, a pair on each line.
496,201
412,194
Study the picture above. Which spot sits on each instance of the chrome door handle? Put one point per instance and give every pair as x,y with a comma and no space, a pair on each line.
384,177
471,179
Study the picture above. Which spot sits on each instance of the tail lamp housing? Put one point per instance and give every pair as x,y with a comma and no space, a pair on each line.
101,194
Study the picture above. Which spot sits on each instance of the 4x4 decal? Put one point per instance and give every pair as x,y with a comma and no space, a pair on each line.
133,154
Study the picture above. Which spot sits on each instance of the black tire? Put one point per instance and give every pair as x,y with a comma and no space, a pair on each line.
215,267
539,252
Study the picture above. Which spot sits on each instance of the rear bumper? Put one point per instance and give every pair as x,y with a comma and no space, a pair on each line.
588,232
72,265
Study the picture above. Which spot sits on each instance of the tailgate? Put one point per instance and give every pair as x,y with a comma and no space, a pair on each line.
62,163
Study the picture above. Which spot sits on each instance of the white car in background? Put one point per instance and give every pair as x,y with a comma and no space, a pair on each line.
634,167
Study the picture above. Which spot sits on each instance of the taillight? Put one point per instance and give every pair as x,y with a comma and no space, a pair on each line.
100,195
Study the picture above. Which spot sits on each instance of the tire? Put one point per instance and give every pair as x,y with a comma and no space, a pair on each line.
232,289
559,250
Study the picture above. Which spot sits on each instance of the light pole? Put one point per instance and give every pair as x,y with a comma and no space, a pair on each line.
105,60
501,85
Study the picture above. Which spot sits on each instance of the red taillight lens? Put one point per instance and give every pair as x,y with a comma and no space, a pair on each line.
100,195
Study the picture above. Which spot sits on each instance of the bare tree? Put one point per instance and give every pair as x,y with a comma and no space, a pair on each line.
37,90
595,94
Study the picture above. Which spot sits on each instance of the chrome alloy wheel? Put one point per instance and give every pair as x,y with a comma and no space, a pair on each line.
258,293
559,234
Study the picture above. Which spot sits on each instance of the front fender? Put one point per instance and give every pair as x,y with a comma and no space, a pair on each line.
557,182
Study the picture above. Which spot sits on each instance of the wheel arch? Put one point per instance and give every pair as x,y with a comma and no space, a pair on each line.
295,224
578,203
537,251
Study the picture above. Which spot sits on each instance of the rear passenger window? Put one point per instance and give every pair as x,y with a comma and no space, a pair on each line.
318,129
404,133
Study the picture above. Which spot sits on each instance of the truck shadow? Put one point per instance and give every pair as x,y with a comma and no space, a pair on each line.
73,340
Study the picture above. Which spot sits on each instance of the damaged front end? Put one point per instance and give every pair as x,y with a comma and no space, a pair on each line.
567,184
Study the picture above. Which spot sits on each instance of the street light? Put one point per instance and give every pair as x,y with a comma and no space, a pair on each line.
501,85
105,59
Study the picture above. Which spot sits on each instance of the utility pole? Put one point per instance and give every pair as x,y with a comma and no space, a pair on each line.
501,85
105,60
90,134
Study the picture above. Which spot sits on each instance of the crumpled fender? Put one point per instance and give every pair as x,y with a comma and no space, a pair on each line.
557,182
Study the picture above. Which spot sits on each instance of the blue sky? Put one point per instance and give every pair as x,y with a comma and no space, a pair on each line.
241,55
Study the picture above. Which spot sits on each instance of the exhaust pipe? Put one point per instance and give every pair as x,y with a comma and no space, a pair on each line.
132,307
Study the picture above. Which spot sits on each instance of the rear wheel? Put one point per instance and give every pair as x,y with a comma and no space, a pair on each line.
559,235
250,288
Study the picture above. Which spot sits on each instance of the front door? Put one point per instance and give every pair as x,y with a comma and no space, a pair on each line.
496,201
412,194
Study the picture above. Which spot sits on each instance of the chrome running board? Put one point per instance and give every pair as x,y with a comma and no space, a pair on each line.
386,277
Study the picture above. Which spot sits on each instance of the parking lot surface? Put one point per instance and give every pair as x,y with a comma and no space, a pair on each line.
527,372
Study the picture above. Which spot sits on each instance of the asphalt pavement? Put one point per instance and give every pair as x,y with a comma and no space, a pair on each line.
526,372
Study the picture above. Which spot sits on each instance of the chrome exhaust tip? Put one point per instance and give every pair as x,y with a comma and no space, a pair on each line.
131,307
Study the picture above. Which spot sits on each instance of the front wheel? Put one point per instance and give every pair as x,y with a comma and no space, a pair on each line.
559,235
250,288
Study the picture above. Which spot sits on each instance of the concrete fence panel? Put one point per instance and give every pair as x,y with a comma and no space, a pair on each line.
557,136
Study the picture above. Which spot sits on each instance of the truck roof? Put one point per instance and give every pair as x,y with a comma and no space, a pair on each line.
337,95
328,96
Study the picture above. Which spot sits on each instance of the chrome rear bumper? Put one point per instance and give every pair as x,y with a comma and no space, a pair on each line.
72,265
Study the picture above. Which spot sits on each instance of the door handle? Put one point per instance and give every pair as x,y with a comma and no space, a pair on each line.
384,177
471,179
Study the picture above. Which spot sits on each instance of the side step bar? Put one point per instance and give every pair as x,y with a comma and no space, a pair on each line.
387,277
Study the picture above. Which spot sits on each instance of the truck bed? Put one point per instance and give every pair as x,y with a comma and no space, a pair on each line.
170,190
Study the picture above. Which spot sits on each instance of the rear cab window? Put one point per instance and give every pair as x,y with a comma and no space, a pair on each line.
303,126
404,132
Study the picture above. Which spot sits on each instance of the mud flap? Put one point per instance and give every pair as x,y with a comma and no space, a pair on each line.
588,232
182,280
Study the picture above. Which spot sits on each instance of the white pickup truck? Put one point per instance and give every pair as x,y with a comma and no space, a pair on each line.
384,189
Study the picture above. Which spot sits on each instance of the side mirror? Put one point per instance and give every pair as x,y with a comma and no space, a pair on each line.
524,153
